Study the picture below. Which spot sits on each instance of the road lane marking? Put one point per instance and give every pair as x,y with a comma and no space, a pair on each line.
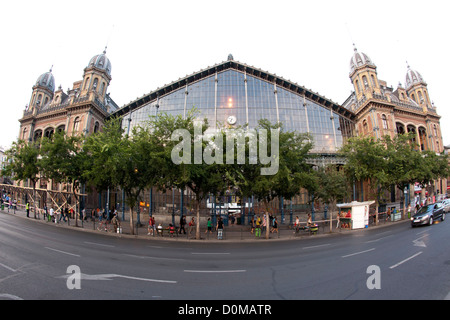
100,244
109,276
68,253
419,243
214,271
407,259
318,246
356,253
210,253
6,267
148,257
9,296
370,241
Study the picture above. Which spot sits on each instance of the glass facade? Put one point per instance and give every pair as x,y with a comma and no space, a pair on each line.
249,98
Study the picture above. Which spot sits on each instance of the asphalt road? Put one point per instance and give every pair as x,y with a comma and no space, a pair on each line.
41,261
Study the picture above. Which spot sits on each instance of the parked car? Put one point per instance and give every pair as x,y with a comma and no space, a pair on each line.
446,204
428,214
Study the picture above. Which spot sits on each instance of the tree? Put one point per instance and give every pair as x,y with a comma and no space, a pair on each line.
366,161
65,161
132,162
332,186
105,149
24,163
183,163
286,172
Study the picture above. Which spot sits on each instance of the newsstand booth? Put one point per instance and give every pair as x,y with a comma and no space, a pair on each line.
354,215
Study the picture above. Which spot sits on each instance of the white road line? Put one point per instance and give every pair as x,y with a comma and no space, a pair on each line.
210,253
68,253
215,271
378,239
100,244
9,296
6,267
321,245
148,257
407,259
110,276
356,253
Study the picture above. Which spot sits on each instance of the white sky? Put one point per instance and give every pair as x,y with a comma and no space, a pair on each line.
152,43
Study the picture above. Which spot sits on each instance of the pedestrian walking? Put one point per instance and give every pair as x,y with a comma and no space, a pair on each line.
274,225
208,226
252,225
191,225
27,208
150,226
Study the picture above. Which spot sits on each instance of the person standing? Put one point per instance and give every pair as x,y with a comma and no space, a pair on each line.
219,228
116,222
182,224
258,227
27,207
50,217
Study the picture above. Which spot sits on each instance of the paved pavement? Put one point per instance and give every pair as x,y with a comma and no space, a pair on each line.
233,233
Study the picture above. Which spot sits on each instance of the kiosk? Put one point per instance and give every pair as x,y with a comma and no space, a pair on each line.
354,215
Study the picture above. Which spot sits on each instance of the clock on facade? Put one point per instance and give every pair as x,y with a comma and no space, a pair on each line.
231,119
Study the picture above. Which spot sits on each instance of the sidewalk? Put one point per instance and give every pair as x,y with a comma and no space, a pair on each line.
233,233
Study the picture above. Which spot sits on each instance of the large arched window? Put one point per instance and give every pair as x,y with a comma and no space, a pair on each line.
400,128
86,83
385,123
365,126
94,86
366,83
37,135
48,133
76,124
96,127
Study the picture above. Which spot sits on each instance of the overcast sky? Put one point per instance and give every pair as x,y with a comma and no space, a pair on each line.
152,43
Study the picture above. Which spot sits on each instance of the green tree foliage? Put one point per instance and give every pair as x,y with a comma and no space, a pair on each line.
24,164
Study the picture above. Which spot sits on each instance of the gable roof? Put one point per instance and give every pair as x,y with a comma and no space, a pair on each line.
238,66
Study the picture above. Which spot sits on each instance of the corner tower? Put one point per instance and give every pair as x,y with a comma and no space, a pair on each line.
363,74
417,90
43,91
97,76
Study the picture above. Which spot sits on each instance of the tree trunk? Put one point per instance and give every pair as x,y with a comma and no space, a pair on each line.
197,230
76,202
131,221
34,198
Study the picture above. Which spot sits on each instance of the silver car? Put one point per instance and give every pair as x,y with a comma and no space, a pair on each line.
446,204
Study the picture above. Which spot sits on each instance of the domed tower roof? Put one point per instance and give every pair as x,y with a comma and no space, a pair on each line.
46,80
360,59
102,62
413,77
